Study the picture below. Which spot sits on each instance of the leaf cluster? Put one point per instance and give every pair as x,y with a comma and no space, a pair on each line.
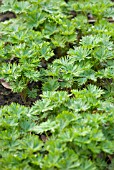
53,45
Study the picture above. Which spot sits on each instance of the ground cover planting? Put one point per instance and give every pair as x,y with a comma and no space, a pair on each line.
56,85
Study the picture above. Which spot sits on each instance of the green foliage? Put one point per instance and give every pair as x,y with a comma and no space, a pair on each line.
69,135
71,62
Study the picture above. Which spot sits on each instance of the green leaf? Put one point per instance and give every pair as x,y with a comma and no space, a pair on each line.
44,127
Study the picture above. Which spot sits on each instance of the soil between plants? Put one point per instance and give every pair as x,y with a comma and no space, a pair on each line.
7,97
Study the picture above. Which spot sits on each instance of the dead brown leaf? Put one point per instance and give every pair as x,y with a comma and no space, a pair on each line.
5,84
